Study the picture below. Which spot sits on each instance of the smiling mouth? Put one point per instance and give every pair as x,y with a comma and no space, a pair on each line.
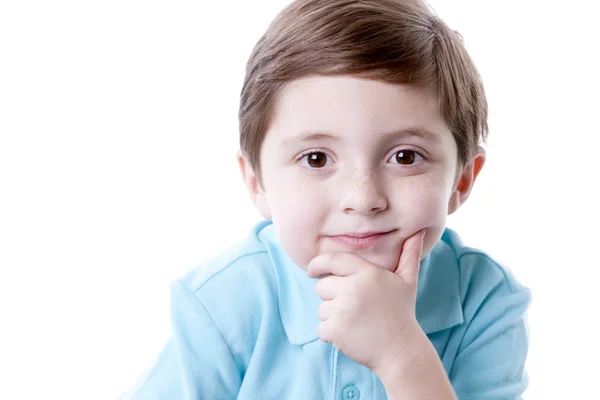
359,240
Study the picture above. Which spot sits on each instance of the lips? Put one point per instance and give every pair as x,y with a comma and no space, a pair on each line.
359,240
363,234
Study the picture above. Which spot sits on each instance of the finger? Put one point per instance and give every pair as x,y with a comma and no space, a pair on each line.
325,310
410,258
340,264
324,330
329,287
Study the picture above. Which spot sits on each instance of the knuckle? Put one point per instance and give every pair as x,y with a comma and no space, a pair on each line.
323,309
320,285
323,332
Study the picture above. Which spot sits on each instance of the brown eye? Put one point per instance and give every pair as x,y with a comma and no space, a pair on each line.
406,157
317,159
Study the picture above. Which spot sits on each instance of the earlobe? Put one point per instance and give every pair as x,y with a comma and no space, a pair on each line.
466,181
253,185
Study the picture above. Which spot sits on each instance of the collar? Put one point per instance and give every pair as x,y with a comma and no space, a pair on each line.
438,300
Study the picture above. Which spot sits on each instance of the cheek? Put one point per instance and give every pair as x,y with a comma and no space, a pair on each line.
426,208
298,214
426,205
295,204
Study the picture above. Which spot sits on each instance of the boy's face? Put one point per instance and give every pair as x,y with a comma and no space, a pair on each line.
347,157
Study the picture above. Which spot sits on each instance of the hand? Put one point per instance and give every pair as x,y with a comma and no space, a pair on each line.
368,312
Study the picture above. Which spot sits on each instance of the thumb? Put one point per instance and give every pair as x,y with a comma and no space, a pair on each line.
410,258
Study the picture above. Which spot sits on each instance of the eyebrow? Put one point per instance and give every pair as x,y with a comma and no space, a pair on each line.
416,131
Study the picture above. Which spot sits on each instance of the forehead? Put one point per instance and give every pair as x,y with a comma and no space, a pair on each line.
354,108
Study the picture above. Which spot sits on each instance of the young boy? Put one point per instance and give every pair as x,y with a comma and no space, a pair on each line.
360,129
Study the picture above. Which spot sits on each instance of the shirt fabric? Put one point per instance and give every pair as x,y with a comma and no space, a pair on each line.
245,326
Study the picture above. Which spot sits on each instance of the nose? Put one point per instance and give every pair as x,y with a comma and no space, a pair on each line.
363,194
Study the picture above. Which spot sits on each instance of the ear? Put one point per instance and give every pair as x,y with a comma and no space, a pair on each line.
254,186
465,181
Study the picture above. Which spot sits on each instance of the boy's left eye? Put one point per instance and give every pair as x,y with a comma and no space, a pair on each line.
405,157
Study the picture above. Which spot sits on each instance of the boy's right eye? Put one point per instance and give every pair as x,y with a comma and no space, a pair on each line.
315,159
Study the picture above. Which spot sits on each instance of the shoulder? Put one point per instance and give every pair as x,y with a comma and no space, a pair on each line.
236,290
478,271
458,284
238,273
494,329
235,258
492,299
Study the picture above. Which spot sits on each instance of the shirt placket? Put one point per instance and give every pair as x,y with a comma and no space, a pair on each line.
350,380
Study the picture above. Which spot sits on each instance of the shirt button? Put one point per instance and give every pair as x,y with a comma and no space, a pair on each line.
350,392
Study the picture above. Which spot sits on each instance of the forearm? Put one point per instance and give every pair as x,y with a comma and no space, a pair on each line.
422,376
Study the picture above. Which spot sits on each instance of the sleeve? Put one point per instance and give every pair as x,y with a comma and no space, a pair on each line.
490,363
196,363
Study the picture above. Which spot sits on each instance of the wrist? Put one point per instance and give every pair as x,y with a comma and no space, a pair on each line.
411,345
417,372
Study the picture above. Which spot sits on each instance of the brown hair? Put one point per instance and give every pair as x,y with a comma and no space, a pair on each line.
394,41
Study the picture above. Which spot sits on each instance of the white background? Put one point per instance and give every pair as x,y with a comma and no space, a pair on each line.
118,131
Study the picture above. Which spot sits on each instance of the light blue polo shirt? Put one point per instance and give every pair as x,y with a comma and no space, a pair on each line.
244,326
